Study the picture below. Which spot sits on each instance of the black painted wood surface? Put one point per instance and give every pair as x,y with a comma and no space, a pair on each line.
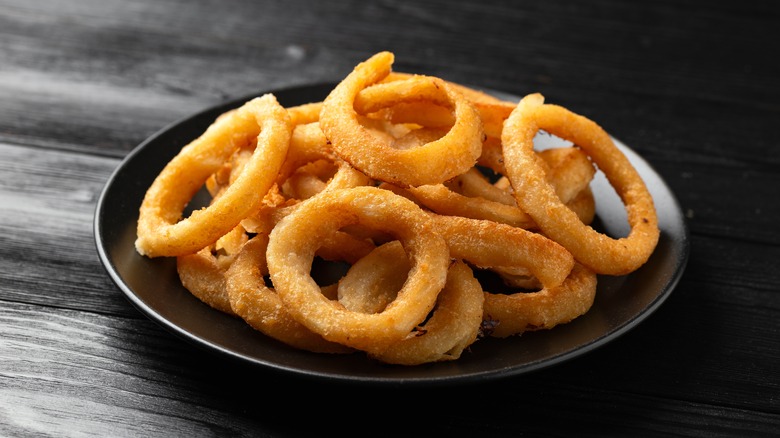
693,86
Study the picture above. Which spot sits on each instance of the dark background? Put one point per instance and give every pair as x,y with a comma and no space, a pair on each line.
692,86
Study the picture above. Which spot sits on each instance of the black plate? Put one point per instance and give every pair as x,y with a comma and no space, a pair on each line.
153,286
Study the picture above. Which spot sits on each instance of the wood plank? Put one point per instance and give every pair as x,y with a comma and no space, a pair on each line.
143,381
83,373
150,70
50,258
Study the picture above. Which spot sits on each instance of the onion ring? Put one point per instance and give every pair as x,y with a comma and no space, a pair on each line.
203,273
534,195
472,195
432,163
260,305
486,244
584,206
295,239
475,184
492,110
312,178
492,155
453,326
305,113
567,288
373,282
162,232
307,145
515,313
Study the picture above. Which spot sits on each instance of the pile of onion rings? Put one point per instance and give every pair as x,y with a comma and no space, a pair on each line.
416,195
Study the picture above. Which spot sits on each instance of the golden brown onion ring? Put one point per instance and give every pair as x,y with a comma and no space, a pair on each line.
305,113
535,196
492,110
260,305
203,273
475,184
295,239
584,206
373,281
487,244
472,195
432,163
440,199
569,171
162,232
567,289
492,155
308,145
310,179
452,327
514,313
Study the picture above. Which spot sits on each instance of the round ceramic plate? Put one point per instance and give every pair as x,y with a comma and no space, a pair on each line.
153,286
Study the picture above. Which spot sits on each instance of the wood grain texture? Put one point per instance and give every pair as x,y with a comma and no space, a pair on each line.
46,233
691,86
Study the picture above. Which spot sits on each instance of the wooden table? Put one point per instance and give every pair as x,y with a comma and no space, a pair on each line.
691,86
